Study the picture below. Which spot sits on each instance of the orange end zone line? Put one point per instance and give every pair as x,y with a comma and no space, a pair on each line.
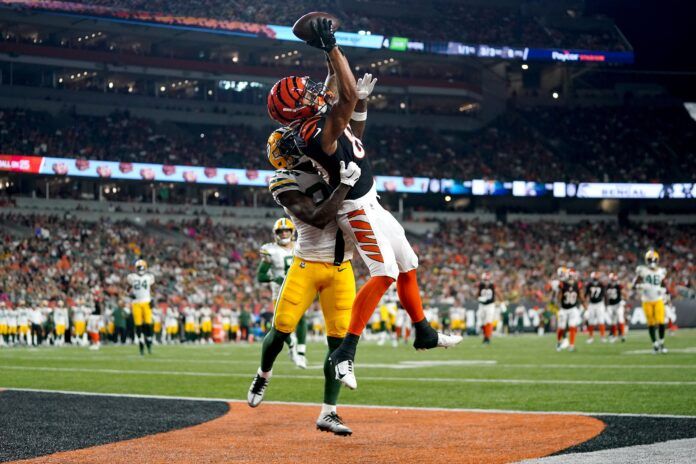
368,406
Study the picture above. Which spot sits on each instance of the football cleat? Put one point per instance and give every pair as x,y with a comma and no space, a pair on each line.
300,361
656,348
589,341
664,350
448,341
345,374
333,423
565,344
559,347
257,390
571,348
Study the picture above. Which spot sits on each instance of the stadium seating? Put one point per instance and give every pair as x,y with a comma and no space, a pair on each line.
493,24
541,144
199,259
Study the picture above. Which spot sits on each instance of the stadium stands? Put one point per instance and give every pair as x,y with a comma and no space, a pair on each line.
495,23
609,144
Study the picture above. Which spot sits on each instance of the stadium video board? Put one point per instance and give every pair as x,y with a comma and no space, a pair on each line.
348,39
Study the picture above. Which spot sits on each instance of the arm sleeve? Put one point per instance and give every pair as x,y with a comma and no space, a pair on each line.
263,273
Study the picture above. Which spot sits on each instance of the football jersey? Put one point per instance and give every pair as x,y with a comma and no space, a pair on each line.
595,291
205,314
313,244
141,285
570,294
11,318
60,316
3,317
280,259
651,288
349,148
613,294
78,314
486,293
22,316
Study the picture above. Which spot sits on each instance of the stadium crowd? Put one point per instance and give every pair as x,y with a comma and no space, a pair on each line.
207,269
442,20
540,144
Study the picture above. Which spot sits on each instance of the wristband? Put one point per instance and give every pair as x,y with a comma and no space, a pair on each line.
359,116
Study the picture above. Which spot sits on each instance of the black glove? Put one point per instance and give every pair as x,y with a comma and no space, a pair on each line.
323,35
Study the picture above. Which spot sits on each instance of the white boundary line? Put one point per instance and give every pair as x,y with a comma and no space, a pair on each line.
665,383
367,406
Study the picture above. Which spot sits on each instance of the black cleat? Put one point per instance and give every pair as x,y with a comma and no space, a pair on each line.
333,423
256,391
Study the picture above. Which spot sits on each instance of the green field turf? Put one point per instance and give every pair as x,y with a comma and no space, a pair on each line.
517,373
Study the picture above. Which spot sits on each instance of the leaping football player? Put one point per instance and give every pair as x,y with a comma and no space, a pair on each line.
650,280
139,286
321,265
331,140
276,258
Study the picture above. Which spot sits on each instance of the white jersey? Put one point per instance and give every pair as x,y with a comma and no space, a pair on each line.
11,318
22,317
318,245
280,259
189,315
651,288
205,314
79,314
3,317
141,285
36,316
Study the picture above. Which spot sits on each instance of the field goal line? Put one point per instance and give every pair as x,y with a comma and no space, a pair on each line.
366,406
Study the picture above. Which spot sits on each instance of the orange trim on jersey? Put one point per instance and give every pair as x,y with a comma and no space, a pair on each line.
371,248
362,225
365,236
357,212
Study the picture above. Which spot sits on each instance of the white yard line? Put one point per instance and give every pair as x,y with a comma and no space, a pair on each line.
388,379
369,406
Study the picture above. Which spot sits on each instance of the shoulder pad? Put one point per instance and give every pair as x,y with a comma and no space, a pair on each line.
310,128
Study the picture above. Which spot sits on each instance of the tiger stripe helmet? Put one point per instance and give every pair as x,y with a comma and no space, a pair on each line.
295,98
281,149
281,225
652,257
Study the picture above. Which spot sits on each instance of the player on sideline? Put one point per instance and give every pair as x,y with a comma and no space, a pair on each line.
569,300
596,311
276,258
329,138
321,265
140,284
650,280
615,308
486,294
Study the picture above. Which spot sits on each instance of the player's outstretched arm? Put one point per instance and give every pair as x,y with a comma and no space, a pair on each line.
364,86
339,117
305,210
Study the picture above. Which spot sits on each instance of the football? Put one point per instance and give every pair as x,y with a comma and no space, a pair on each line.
302,27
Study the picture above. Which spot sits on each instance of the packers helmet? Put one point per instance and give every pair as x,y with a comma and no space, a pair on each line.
281,225
486,277
652,257
281,148
562,273
141,266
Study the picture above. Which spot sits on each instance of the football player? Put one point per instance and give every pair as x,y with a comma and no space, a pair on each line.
596,311
3,324
486,295
569,301
330,124
321,264
23,334
650,280
190,323
139,286
276,259
615,308
206,323
94,323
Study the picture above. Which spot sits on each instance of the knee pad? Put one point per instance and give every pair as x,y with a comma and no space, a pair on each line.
284,323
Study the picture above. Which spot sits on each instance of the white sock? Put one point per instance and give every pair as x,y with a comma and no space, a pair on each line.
301,349
327,409
265,375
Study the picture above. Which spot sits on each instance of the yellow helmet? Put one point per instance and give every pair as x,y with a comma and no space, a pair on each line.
652,257
281,225
281,149
141,266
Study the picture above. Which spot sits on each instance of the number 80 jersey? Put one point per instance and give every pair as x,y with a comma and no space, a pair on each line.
350,148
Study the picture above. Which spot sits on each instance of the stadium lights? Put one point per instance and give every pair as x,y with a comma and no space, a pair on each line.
60,80
448,198
162,88
111,85
525,66
555,95
202,135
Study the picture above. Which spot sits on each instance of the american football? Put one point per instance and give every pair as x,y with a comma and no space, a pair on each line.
303,26
456,231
